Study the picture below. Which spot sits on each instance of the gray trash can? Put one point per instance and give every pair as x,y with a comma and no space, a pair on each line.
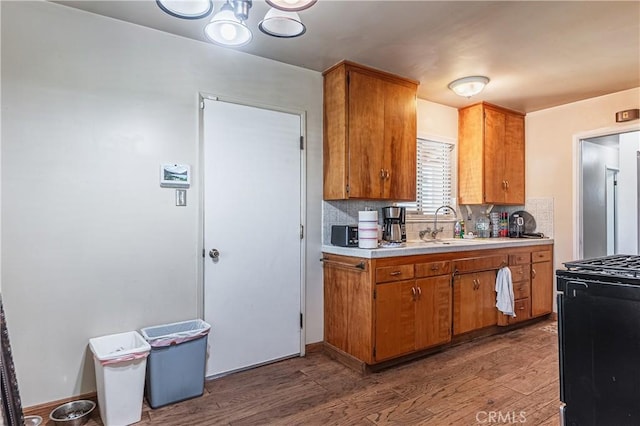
176,363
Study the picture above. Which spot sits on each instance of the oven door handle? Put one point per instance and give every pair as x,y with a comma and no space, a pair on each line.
574,286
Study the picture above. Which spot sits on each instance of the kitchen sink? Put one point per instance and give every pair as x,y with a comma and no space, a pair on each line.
444,241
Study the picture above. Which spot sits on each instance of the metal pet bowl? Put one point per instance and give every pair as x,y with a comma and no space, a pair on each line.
32,421
74,413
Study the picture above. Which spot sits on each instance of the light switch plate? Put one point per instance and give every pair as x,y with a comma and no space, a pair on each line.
181,197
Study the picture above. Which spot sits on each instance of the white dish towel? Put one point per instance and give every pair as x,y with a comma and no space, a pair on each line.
504,290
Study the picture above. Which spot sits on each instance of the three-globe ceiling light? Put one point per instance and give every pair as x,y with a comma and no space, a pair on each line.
469,86
227,26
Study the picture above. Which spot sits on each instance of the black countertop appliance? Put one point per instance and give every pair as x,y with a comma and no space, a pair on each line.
599,341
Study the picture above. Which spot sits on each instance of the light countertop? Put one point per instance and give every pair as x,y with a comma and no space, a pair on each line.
442,246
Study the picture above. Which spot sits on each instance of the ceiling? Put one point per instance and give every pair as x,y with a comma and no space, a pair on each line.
538,54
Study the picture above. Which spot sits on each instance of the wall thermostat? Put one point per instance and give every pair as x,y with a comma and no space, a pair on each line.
627,115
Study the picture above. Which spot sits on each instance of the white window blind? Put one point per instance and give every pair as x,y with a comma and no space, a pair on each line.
434,183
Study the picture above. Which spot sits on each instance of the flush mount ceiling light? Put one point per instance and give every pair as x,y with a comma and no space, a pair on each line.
228,28
186,9
469,86
291,5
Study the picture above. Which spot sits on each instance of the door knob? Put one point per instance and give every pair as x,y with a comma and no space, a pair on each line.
214,254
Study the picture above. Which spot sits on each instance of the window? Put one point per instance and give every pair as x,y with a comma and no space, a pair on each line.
434,177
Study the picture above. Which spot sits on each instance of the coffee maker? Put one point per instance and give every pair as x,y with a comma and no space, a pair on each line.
393,228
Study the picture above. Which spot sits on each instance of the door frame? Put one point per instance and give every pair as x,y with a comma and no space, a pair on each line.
202,96
577,175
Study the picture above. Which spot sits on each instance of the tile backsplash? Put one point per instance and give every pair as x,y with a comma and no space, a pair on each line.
345,212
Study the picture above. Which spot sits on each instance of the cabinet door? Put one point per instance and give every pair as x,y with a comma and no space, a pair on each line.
348,306
514,159
400,135
541,288
465,305
395,319
494,133
366,135
433,311
488,314
474,301
470,155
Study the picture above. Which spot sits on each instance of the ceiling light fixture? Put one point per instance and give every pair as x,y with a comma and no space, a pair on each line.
291,5
228,27
469,86
186,9
278,23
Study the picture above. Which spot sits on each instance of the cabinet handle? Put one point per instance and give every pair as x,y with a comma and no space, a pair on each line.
395,273
506,184
419,291
533,273
413,293
387,174
435,267
381,173
475,284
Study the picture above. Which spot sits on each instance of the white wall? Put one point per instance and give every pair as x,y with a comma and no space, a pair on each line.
437,121
91,244
628,193
550,155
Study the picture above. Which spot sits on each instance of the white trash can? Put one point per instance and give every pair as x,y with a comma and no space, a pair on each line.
120,361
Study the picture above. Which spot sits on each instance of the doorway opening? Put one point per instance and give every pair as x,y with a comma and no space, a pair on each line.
608,200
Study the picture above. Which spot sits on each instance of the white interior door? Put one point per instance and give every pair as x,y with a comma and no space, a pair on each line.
252,217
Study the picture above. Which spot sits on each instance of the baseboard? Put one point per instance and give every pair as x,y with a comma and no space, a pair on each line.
43,410
312,348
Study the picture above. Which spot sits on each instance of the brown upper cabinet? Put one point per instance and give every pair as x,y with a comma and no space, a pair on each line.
490,155
369,134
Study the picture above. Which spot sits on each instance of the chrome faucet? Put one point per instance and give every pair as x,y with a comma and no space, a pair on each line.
435,231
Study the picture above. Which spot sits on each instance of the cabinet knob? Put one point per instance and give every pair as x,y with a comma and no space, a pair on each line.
533,273
435,267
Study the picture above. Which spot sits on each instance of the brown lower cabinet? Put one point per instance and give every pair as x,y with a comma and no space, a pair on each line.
412,315
376,310
474,301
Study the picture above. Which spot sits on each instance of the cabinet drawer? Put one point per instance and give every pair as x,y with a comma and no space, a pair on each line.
522,309
541,256
432,269
480,263
394,273
520,273
521,290
519,259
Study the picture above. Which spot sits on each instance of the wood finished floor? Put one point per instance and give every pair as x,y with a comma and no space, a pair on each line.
513,375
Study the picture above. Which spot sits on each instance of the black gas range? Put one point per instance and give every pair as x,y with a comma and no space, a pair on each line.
599,340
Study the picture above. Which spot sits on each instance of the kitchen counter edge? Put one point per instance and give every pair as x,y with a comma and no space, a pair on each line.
411,249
